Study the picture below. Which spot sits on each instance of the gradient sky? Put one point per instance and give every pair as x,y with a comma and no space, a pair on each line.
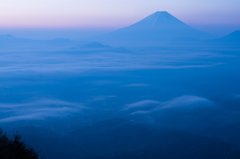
112,13
49,19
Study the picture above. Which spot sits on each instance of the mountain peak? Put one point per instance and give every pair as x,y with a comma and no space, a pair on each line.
160,18
161,12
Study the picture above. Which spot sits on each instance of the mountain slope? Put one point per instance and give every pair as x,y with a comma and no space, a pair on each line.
125,139
160,26
233,37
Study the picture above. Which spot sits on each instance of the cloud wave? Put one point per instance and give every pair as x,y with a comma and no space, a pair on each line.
39,109
185,101
182,102
141,104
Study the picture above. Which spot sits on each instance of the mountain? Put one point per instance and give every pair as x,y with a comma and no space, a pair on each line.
233,37
118,138
160,26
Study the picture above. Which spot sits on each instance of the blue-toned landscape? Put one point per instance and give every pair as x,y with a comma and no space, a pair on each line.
156,89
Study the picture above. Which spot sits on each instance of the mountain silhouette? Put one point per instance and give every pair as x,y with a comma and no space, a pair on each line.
160,26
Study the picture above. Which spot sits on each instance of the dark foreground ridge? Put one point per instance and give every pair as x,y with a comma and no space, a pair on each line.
15,149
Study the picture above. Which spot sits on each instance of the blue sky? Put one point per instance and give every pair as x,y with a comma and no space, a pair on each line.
115,14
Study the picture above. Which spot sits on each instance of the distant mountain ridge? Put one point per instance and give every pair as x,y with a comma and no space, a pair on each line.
9,41
95,45
6,37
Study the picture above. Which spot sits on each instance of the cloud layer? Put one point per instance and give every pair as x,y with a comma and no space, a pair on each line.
68,61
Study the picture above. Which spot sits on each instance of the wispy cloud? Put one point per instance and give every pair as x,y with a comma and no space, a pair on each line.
39,103
184,101
99,98
104,82
141,104
137,85
39,109
237,95
140,112
179,111
187,101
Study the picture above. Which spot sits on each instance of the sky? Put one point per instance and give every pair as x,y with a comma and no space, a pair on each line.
113,14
